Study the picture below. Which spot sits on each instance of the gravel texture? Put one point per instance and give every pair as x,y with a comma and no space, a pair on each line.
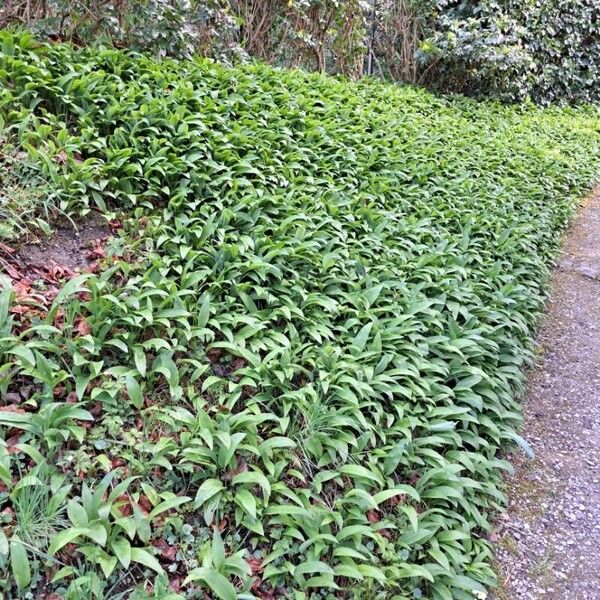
548,543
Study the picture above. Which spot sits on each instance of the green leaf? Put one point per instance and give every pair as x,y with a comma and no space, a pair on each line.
418,571
349,571
465,583
218,584
19,563
255,477
246,501
24,352
139,358
218,550
168,505
360,472
443,593
64,537
72,287
207,490
134,391
77,514
372,572
413,517
122,550
400,489
18,420
442,492
96,532
522,443
143,557
312,566
107,563
362,337
440,557
204,312
63,573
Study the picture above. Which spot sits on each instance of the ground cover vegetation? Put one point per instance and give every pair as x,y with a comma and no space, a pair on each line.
287,361
546,50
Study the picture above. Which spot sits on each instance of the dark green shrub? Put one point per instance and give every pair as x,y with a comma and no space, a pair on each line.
547,50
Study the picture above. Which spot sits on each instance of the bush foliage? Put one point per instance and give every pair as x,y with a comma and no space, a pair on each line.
546,50
514,49
295,372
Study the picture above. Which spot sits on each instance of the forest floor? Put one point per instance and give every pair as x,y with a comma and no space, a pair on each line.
548,544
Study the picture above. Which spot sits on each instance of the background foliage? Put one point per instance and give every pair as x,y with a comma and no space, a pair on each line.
547,50
293,369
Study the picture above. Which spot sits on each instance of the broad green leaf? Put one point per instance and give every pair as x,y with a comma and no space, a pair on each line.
122,550
134,391
143,557
218,584
362,337
64,537
360,472
168,505
19,563
246,501
77,514
139,357
372,572
207,490
312,566
400,489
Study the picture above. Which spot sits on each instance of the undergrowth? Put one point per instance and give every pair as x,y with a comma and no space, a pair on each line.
24,209
294,370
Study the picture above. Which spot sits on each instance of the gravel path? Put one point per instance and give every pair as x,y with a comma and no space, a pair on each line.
548,544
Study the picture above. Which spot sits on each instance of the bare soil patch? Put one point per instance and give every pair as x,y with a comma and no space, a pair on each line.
71,246
37,271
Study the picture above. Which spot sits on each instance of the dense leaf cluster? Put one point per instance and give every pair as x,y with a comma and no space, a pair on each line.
296,374
548,50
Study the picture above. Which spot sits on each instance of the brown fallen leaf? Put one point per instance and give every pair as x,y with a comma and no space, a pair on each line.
56,273
12,444
82,327
97,251
373,516
167,552
115,225
19,309
123,504
255,565
214,355
12,408
145,504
